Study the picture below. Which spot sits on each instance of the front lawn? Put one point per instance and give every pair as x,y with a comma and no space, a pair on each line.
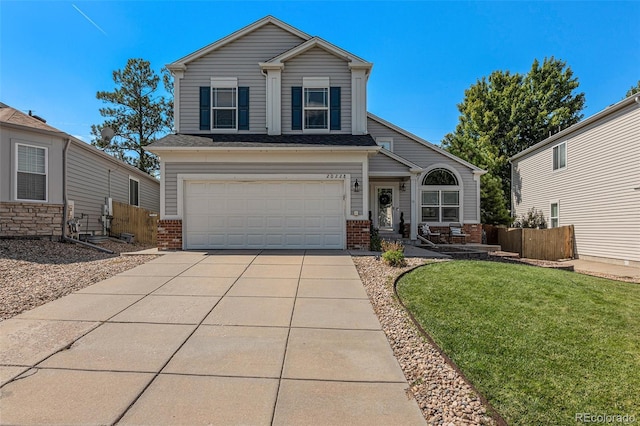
541,345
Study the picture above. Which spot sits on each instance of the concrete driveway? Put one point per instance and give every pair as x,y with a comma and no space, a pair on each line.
259,338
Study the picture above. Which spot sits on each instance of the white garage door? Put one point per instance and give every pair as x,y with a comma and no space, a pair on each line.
264,215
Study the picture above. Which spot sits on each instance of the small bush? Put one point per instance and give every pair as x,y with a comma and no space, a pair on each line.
374,240
533,219
392,246
394,258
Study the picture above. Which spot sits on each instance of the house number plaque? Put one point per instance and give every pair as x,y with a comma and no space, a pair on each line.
334,176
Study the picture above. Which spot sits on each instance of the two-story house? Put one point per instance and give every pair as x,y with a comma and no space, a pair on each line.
274,148
588,176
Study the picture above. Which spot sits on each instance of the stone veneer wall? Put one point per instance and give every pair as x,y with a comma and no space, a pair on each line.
358,234
31,220
170,234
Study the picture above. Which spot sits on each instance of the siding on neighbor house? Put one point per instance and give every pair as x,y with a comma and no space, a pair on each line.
91,178
596,191
317,62
237,59
171,171
9,137
424,157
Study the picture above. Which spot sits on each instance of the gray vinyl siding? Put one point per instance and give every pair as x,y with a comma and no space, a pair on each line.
91,178
54,145
237,59
382,163
424,157
173,169
317,62
596,192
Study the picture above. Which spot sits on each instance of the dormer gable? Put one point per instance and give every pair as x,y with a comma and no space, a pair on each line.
270,77
181,63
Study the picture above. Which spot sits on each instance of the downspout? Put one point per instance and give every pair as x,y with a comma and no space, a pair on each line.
64,188
65,208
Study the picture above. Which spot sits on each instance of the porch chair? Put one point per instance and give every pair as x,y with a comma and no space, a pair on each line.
425,233
456,231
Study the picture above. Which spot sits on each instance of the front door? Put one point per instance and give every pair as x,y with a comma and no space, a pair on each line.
384,207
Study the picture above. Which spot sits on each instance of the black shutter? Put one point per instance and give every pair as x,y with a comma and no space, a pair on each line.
205,108
243,108
296,108
334,108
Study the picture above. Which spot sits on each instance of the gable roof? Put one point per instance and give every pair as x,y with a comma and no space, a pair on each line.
12,116
354,61
182,62
412,166
425,143
593,119
253,140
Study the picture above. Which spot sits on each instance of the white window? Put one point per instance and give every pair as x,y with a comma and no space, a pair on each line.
31,173
224,103
386,143
560,156
555,214
134,191
440,197
315,103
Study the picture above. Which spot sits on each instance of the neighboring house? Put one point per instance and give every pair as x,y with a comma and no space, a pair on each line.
588,176
38,163
274,148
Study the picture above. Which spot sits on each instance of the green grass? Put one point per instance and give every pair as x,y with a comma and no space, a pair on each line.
541,345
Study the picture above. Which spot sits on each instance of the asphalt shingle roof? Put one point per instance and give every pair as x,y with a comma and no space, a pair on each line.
260,140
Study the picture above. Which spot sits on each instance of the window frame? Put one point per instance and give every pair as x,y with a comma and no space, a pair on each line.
45,174
223,83
316,83
134,179
440,189
556,148
557,216
385,140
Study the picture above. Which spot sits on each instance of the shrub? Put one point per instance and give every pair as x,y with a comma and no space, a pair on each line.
374,240
392,246
394,258
533,219
393,253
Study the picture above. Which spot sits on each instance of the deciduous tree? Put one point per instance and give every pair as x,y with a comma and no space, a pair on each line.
505,113
633,90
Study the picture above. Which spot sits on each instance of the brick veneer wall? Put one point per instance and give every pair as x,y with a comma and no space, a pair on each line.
358,234
170,234
474,232
31,220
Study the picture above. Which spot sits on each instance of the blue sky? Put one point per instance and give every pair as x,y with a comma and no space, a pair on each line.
55,55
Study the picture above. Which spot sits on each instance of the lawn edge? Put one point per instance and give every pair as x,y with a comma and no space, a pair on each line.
495,415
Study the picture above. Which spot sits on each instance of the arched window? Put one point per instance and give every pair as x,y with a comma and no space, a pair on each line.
440,177
440,200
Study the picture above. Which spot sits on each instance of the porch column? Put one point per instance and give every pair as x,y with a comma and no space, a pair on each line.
414,207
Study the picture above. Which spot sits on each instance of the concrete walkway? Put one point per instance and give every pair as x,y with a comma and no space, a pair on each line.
259,338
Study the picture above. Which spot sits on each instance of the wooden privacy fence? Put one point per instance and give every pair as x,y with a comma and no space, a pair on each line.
142,223
544,244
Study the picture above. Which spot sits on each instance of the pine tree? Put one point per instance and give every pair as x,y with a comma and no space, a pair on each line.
137,114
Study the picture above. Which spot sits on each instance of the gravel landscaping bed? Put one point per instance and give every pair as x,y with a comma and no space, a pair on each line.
444,397
34,272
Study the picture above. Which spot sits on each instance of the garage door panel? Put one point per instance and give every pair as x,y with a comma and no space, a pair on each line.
254,222
264,215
